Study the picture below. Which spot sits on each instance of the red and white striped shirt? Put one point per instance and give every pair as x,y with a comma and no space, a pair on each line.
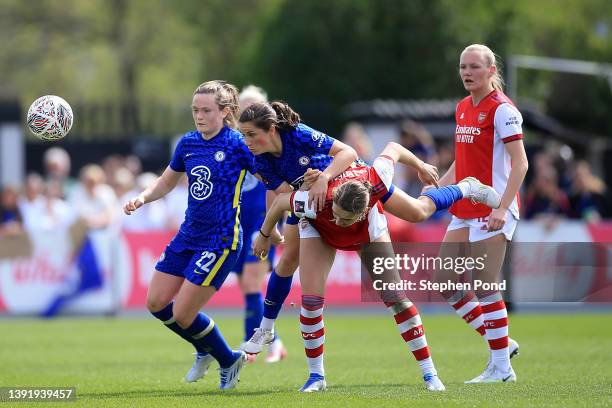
480,134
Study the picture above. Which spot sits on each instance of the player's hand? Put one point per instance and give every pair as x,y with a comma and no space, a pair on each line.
428,174
497,219
133,205
310,177
318,192
261,246
276,238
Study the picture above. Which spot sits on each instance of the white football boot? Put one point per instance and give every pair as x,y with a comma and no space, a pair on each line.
490,374
481,193
231,375
258,340
314,383
199,367
433,383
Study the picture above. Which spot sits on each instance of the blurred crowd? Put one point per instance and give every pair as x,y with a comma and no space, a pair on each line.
557,186
53,200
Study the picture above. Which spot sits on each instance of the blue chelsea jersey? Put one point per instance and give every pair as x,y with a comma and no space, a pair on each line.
215,169
303,148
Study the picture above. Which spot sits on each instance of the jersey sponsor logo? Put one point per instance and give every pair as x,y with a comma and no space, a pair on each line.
512,121
465,134
202,187
219,156
482,116
304,160
464,139
467,130
318,137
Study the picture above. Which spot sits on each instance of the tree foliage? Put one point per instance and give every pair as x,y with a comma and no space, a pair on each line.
317,55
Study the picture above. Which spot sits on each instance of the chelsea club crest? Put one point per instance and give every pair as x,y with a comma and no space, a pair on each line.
219,156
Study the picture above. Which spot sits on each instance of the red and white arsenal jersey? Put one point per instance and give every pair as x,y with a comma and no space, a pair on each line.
350,238
480,135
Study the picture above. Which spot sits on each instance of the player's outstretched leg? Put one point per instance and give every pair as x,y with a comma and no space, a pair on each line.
313,333
480,193
411,329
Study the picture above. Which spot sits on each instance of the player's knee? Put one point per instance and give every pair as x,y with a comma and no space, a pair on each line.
157,303
183,318
286,267
289,262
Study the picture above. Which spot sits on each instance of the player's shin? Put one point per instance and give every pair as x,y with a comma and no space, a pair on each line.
276,293
496,326
253,313
467,307
313,332
206,334
444,197
167,318
411,329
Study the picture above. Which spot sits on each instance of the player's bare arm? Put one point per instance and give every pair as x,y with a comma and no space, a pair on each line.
518,157
428,174
162,186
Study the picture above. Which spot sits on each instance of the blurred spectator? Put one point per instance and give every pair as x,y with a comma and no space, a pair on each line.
124,184
544,197
133,164
419,141
355,136
153,216
446,157
57,169
33,202
588,196
94,200
11,220
251,94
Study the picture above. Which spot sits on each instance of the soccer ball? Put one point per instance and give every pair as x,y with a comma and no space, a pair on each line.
50,117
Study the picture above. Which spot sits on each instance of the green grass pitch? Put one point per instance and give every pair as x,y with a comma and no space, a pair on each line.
565,360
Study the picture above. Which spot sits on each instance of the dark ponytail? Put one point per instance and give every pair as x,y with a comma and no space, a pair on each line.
286,118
